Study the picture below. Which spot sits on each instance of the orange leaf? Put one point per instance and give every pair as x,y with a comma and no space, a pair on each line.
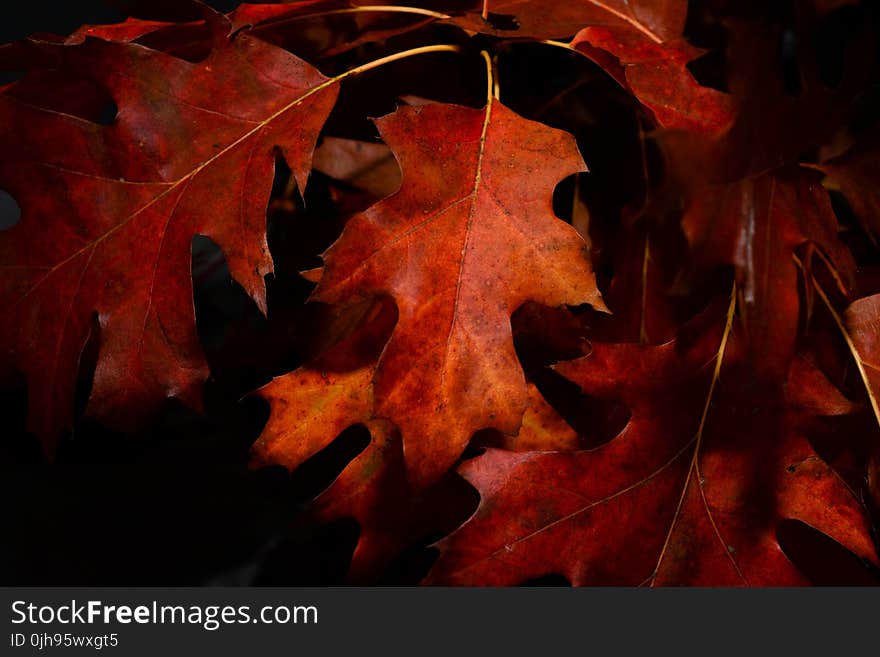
469,237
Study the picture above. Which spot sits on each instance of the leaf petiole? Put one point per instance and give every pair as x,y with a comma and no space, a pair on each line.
492,90
390,9
557,44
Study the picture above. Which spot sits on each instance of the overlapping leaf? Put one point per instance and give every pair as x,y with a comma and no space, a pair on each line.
752,207
315,403
328,27
468,238
658,21
109,212
311,406
658,76
542,430
756,224
690,492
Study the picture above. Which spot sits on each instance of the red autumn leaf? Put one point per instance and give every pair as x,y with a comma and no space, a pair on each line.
756,224
773,126
184,156
658,21
311,407
542,430
363,165
658,76
131,29
690,492
374,490
468,238
328,27
751,207
315,403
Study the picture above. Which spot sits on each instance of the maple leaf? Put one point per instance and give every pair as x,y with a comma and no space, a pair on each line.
690,492
109,212
657,21
469,237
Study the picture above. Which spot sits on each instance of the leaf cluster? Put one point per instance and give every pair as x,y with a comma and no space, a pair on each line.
535,289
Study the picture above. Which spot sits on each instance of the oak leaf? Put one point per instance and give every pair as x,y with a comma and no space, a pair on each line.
542,430
752,207
311,406
690,492
658,76
109,213
391,514
468,238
